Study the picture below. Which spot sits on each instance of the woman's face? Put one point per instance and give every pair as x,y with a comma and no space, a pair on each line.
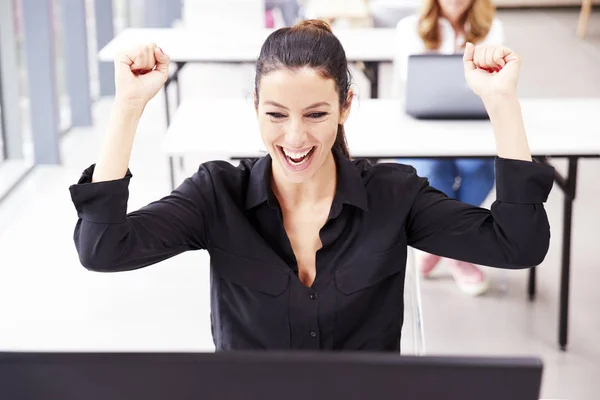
453,10
298,114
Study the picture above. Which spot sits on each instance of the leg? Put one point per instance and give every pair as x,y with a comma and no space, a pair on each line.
171,161
172,172
568,185
570,190
173,78
565,274
166,90
178,98
441,175
531,284
440,172
476,179
476,182
371,69
180,65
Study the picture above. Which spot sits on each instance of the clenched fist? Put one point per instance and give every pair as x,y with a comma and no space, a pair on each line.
491,70
140,73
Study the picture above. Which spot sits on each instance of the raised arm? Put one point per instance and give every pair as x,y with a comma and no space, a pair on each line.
492,72
139,75
515,233
108,238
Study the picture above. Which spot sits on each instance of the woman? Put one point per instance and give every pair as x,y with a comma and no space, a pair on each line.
308,247
289,9
445,26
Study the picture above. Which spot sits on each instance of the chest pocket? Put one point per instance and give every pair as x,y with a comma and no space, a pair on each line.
249,273
251,303
371,269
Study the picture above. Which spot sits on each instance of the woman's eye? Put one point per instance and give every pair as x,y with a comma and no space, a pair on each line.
275,115
317,115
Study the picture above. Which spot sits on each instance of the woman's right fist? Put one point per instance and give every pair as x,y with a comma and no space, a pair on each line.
140,73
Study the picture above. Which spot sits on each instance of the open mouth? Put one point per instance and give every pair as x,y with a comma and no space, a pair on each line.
297,159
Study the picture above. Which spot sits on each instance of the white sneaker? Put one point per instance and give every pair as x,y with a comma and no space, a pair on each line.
470,279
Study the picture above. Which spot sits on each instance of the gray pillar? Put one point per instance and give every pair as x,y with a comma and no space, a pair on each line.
161,13
9,84
135,12
103,11
43,100
76,61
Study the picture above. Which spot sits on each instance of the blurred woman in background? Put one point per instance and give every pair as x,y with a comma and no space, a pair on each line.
289,9
444,27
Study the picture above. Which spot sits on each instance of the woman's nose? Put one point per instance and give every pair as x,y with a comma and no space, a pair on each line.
295,134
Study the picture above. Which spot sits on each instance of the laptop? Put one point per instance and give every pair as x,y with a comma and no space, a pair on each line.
265,375
436,89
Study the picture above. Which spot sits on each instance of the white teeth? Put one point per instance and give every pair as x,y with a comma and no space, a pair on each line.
303,157
296,155
304,160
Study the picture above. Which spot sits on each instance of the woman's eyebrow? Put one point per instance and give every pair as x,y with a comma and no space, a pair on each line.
319,104
315,105
273,103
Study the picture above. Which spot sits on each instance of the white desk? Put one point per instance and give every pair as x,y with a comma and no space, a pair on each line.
369,46
194,45
376,129
379,128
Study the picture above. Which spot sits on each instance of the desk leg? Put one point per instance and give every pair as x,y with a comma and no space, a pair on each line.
372,72
174,77
180,65
531,284
532,271
172,172
171,169
166,90
569,191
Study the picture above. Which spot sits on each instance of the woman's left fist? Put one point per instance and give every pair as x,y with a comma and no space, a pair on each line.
491,70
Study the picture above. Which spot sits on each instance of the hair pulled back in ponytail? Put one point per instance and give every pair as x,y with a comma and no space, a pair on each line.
309,43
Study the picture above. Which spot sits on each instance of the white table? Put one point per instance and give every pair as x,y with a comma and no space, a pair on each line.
369,46
195,45
379,129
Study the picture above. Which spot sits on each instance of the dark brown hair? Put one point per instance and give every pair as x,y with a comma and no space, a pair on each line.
309,43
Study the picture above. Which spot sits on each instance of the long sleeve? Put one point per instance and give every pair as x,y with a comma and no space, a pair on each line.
109,239
514,233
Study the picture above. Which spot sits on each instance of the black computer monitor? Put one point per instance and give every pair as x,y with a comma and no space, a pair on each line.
265,376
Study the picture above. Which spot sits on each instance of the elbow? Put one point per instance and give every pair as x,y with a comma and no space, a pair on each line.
531,252
528,259
93,260
94,263
94,250
110,248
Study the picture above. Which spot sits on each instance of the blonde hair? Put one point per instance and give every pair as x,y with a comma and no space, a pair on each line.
478,17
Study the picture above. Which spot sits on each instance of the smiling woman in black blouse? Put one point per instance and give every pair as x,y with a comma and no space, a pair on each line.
308,247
